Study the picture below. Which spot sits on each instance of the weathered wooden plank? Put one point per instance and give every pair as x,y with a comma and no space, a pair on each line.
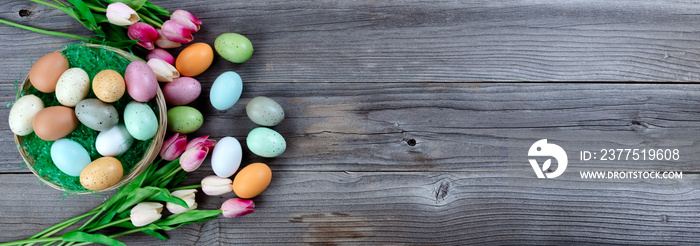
460,127
416,41
442,208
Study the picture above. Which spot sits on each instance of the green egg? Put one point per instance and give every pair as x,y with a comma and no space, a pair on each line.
233,47
184,119
140,120
266,142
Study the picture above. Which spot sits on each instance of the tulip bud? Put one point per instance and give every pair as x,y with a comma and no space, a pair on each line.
161,54
185,195
236,207
163,70
186,19
175,32
145,33
121,15
173,147
145,213
209,143
164,42
195,153
214,185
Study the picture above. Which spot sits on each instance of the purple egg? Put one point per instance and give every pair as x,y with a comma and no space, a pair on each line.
141,83
181,91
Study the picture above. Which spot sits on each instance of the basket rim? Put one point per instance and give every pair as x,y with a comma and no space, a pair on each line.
150,155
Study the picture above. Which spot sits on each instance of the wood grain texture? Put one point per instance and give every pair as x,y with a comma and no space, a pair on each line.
435,208
417,41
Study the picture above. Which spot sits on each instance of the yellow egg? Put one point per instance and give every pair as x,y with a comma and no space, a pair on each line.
101,173
194,60
108,85
252,180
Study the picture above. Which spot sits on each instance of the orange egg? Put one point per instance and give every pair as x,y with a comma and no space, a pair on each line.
101,173
252,180
45,72
194,60
108,85
55,122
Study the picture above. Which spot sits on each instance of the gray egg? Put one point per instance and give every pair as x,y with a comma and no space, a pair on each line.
96,114
264,111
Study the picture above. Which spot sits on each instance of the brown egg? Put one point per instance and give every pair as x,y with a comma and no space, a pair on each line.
55,122
101,173
252,180
45,72
108,85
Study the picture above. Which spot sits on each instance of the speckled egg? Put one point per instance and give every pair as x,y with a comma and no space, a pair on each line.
141,82
233,47
184,119
264,111
45,72
266,142
226,90
101,173
55,122
181,91
22,114
96,114
140,120
72,87
108,85
69,156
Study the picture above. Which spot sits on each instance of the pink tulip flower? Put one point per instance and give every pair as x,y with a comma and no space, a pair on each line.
161,54
121,15
187,20
176,32
164,42
195,153
236,207
173,147
145,33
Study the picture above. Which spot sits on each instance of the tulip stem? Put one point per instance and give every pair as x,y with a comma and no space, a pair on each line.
186,187
35,240
109,224
42,31
45,3
95,8
60,3
150,21
113,235
65,224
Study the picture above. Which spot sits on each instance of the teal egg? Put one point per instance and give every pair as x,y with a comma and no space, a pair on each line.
140,120
266,142
233,47
184,119
69,156
226,90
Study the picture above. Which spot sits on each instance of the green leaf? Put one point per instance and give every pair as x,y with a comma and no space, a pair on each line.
85,14
189,217
179,177
134,4
165,196
78,236
156,9
152,194
155,234
167,168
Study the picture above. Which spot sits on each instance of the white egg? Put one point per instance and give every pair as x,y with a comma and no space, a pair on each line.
226,157
22,114
72,87
113,142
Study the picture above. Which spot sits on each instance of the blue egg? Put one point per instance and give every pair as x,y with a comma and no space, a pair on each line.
69,156
226,90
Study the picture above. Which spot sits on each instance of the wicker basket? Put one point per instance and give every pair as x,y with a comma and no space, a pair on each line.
149,156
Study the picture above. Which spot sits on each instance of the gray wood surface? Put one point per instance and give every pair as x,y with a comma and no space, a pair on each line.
397,133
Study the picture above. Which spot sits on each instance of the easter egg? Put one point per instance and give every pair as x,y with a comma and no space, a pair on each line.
264,111
45,72
108,85
194,60
233,47
101,173
141,83
22,114
226,90
69,156
184,119
114,141
72,87
55,122
252,180
96,114
181,91
140,120
265,142
226,157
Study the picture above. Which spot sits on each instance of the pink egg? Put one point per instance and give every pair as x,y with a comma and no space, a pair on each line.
141,83
181,91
